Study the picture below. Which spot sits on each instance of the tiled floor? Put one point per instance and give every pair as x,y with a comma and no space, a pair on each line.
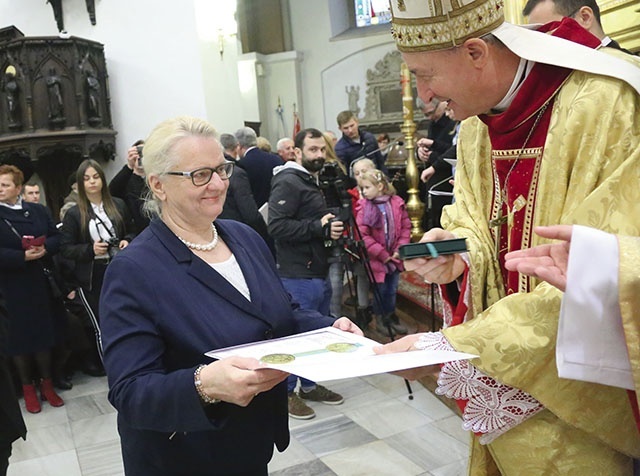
378,430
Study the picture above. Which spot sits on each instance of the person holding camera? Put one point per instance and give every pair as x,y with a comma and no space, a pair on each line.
129,185
300,224
93,232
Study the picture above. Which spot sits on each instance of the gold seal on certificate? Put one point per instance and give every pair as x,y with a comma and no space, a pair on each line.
277,358
342,347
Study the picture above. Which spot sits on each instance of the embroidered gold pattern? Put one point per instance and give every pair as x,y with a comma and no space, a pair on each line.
447,29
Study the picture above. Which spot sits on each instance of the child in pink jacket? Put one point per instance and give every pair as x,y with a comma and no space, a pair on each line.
385,225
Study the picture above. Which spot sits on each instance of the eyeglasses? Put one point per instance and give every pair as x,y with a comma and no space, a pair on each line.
202,176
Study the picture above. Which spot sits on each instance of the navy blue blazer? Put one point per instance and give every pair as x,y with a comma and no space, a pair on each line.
161,308
259,166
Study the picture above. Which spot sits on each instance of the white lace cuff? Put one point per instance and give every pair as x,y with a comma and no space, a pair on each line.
492,408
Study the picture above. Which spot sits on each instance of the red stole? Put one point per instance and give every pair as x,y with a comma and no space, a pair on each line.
517,137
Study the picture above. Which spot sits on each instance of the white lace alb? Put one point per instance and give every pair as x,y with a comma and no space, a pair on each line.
492,408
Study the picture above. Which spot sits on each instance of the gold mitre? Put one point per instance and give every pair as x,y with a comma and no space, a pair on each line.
428,25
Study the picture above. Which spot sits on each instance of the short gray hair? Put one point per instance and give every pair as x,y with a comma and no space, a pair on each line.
246,137
158,155
228,141
281,142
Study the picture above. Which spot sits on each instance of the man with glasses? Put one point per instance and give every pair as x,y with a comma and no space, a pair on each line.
299,222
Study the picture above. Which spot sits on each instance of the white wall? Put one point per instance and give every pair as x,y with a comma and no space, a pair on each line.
311,30
152,54
159,68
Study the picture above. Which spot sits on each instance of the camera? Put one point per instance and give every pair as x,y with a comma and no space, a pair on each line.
139,149
113,241
114,246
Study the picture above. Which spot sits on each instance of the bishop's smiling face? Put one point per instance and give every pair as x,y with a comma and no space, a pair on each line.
461,76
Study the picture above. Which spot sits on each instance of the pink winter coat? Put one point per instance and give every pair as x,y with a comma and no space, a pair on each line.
374,238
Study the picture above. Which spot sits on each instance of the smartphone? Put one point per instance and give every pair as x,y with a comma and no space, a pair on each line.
29,241
433,249
139,149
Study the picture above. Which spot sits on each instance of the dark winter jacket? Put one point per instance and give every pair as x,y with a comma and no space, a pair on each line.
348,150
296,207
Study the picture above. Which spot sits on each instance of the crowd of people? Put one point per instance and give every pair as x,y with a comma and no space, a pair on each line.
206,241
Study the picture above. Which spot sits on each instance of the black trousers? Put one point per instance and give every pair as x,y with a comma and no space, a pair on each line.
90,298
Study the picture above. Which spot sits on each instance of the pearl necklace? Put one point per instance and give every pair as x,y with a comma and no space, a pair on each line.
208,247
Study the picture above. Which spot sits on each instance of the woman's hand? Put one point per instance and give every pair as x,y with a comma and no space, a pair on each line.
123,244
440,270
238,380
407,344
100,248
35,252
345,324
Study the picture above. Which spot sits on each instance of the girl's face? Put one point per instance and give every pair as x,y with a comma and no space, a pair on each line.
359,169
370,190
92,182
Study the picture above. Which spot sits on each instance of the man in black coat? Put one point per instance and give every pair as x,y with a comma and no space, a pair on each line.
11,423
257,163
437,171
129,185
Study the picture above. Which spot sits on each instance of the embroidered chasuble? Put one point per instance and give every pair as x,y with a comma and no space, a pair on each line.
629,297
567,150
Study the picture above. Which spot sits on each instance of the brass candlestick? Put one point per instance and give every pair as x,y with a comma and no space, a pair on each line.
415,207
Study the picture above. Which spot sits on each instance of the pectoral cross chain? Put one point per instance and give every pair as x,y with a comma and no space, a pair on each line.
501,219
497,223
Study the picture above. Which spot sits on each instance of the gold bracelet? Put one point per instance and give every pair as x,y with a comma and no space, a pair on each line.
198,384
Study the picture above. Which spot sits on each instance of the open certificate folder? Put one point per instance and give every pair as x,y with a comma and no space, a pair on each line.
332,354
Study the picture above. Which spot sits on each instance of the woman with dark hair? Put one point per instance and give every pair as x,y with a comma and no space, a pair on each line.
93,231
28,239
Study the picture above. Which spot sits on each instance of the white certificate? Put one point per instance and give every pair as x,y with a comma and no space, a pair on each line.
332,354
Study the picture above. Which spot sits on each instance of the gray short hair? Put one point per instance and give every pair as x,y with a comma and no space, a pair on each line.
228,141
246,137
158,155
281,142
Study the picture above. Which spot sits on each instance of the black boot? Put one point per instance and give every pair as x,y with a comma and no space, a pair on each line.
381,324
364,315
62,382
397,326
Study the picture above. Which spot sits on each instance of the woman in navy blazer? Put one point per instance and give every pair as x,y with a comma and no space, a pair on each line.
183,287
35,314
